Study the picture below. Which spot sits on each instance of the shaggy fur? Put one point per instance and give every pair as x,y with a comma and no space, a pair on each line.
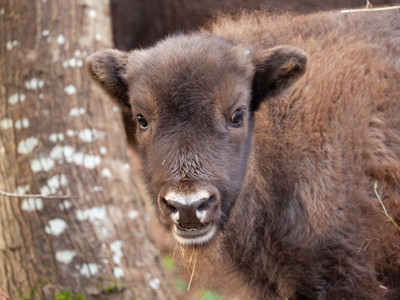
300,216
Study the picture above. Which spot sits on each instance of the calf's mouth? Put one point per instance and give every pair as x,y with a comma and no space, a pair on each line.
195,234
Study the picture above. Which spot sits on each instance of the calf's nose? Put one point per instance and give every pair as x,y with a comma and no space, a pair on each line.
203,206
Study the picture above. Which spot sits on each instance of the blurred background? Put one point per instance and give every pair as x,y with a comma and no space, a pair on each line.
74,219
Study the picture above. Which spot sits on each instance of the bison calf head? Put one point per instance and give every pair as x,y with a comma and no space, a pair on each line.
193,98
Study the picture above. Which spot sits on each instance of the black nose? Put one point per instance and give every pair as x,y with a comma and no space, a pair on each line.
200,207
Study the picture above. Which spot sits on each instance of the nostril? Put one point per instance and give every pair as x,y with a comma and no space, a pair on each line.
166,206
208,204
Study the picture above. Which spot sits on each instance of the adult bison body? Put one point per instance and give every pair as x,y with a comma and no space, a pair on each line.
261,159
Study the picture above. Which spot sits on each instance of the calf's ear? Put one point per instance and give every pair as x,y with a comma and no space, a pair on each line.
107,69
276,70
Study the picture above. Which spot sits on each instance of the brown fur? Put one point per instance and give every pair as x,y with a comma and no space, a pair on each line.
300,217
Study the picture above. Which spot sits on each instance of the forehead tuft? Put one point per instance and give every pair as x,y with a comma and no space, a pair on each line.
194,54
185,66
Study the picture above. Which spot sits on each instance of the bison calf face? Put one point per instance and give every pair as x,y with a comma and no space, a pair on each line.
193,98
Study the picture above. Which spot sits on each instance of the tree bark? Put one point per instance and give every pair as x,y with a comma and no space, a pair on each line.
59,136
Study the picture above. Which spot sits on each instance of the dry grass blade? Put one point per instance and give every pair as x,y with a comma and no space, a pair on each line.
383,206
191,277
37,196
369,9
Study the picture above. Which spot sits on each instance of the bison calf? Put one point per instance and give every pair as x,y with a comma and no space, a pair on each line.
261,138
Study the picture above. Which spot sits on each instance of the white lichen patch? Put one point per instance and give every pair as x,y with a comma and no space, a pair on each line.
77,53
22,123
92,13
61,39
45,32
58,180
55,137
91,214
88,270
56,227
71,132
26,146
72,63
132,214
86,135
54,183
65,205
116,247
71,156
9,45
57,152
118,272
155,283
68,152
6,123
34,84
115,108
15,98
77,158
12,44
75,112
70,90
106,173
40,96
21,190
42,164
97,188
91,161
103,150
45,190
32,204
97,36
126,166
98,135
65,256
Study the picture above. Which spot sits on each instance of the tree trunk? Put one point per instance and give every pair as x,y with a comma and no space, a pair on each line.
59,136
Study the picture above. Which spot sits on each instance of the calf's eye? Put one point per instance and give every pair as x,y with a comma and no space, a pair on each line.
142,122
237,118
